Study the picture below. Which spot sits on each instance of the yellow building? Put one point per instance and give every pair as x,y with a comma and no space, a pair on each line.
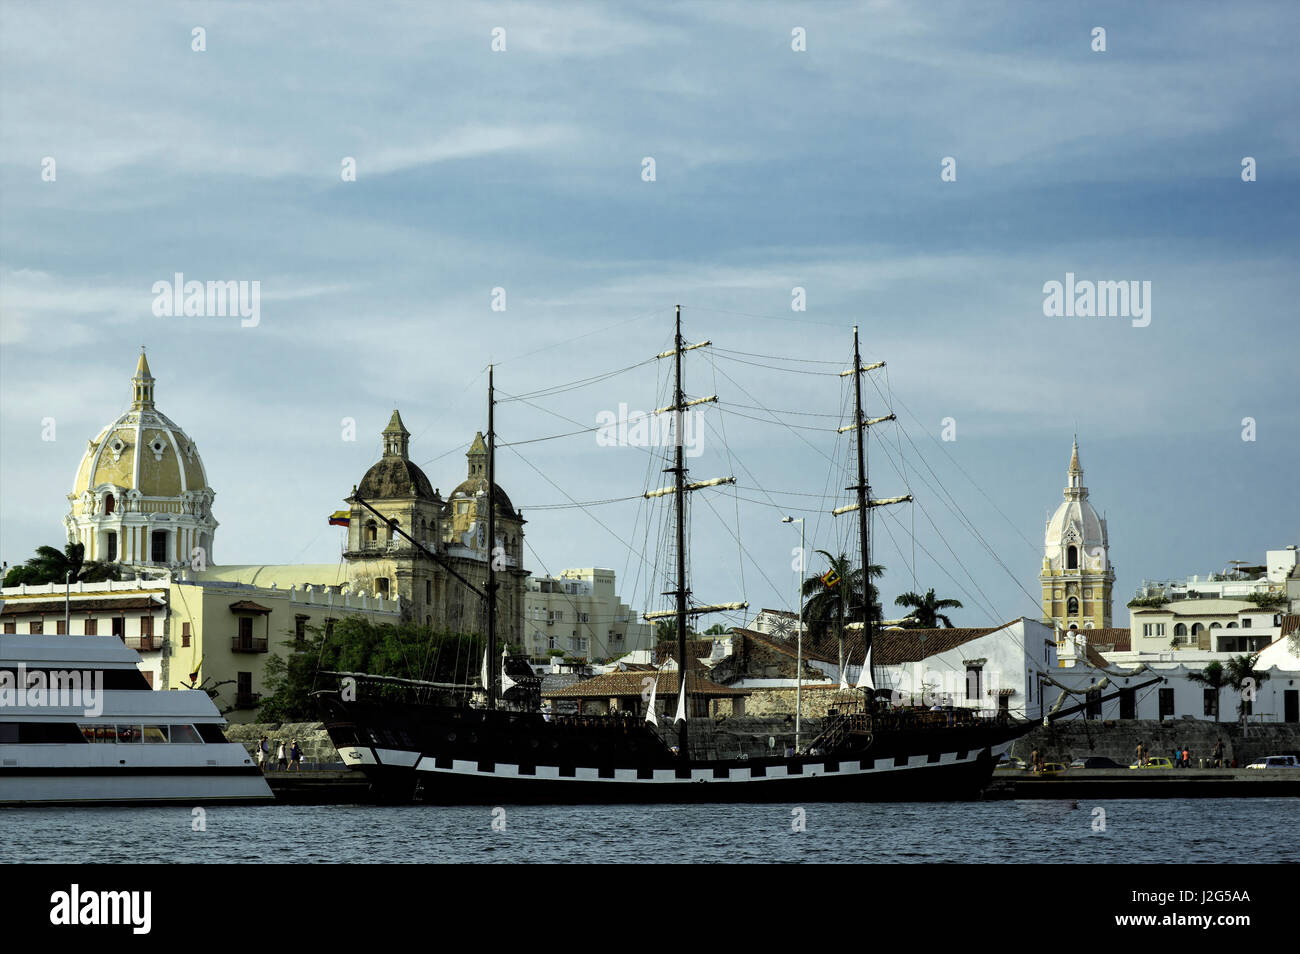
1076,576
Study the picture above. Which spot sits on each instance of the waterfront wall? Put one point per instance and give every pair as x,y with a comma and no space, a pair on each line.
311,736
1118,739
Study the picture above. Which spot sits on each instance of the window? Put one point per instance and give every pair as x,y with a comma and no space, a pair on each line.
185,634
119,626
974,676
11,626
1072,558
381,586
428,591
60,628
245,627
1072,606
110,546
1128,703
371,531
1245,623
1094,704
1196,628
92,626
1166,704
109,503
158,546
1180,629
36,626
146,625
300,628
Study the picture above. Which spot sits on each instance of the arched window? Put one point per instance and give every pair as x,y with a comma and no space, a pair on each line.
1180,629
372,531
1072,606
1196,628
1232,626
109,503
1215,626
1072,558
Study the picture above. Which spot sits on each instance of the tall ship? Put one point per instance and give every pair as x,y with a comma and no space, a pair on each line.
449,745
80,725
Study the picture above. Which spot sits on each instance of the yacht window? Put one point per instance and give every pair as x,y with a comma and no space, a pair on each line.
155,733
129,733
184,733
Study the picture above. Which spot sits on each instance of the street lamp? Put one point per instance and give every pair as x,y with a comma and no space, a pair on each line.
798,599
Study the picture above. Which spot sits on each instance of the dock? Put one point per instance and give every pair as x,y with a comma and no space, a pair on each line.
1146,783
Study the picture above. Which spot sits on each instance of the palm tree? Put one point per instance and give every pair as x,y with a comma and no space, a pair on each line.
846,597
926,613
1215,677
1243,677
50,565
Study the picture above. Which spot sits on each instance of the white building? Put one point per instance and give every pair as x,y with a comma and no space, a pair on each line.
580,615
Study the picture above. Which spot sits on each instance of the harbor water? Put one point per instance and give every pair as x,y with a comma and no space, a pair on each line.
1141,831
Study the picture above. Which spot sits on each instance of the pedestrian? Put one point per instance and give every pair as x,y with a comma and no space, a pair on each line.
1218,754
1140,761
295,756
263,750
1187,757
281,757
1033,760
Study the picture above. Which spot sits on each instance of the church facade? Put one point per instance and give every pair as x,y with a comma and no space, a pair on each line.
1077,576
385,563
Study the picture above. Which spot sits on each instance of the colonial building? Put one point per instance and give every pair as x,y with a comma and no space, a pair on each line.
141,496
1076,575
384,562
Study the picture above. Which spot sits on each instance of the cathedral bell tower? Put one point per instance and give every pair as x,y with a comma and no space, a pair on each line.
1076,576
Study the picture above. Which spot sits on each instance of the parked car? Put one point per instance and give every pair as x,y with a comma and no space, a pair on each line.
1275,761
1155,762
1053,768
1095,762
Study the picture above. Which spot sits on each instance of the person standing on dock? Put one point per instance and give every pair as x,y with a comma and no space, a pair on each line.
1218,754
263,753
295,756
280,756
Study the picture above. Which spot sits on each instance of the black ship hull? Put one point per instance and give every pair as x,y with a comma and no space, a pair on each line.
447,755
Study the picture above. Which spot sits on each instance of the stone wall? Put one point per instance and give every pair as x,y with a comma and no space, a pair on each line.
1118,739
311,736
779,702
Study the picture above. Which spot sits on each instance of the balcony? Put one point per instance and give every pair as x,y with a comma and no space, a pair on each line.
247,700
247,644
143,644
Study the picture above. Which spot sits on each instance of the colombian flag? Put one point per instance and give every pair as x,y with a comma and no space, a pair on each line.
341,518
830,579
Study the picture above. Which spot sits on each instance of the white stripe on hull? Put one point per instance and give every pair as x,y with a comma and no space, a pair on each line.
74,789
359,756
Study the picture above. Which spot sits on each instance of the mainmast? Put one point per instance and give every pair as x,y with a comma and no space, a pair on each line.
680,488
863,490
493,666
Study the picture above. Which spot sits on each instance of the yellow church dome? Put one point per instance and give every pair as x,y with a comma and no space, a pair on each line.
142,468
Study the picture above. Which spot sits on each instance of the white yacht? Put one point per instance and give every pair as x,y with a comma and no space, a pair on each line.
79,725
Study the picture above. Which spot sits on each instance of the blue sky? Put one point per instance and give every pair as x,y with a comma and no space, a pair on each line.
774,169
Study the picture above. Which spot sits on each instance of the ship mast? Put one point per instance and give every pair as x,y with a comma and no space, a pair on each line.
493,665
679,482
680,488
863,490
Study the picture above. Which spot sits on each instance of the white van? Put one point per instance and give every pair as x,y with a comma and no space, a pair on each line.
1275,761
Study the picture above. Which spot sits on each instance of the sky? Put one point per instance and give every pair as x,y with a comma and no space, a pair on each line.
920,171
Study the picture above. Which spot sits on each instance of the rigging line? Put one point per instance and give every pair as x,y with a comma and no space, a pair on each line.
944,540
752,407
572,385
551,437
563,491
434,460
585,334
776,367
944,496
802,427
903,461
963,472
778,357
776,421
546,410
740,558
580,503
743,551
796,321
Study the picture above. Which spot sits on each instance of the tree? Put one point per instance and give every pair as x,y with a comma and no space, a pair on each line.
717,629
51,565
404,650
1243,677
926,609
1213,676
830,605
